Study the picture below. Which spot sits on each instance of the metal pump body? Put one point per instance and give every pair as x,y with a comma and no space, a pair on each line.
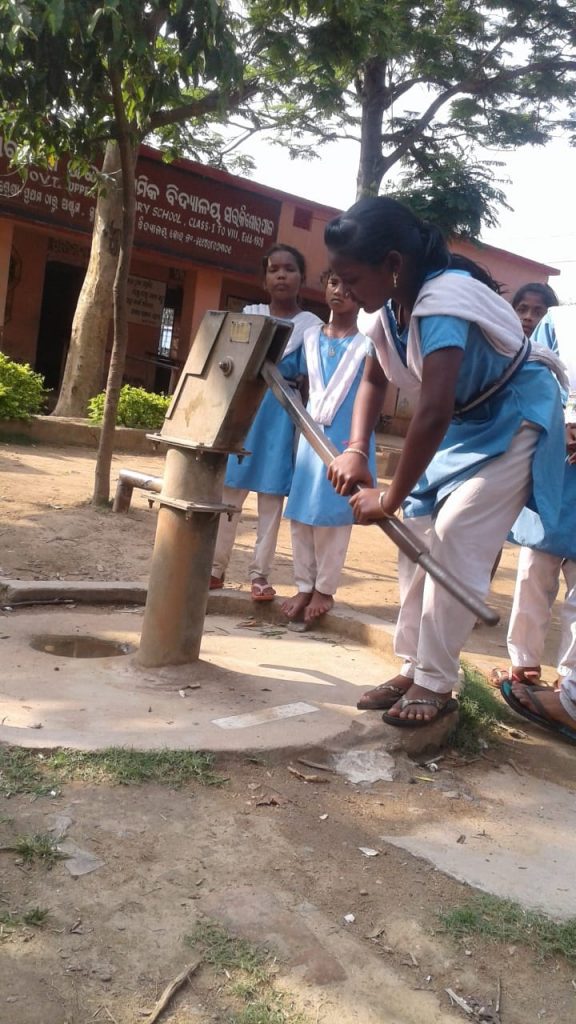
212,409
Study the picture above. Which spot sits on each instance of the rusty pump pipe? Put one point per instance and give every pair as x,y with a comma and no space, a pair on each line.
217,397
128,479
399,534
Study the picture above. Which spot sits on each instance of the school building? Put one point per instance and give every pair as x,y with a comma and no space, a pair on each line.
200,237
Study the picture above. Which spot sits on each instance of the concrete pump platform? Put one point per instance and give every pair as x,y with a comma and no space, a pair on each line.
257,685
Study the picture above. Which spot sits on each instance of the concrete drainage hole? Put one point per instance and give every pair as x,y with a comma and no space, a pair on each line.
79,646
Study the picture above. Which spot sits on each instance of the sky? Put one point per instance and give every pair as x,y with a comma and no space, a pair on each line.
541,190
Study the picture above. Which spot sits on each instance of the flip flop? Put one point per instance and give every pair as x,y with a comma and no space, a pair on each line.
390,695
216,582
262,592
531,677
444,708
539,719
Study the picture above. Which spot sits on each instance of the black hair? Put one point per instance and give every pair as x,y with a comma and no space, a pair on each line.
373,227
298,257
546,293
458,262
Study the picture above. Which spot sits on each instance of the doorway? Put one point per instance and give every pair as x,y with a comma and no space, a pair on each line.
62,284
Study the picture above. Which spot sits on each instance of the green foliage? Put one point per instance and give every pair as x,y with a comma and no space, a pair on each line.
27,771
40,847
22,392
507,922
126,767
454,192
407,80
249,972
225,951
171,62
136,408
35,917
481,713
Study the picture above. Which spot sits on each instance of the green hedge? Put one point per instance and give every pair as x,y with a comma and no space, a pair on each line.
136,408
22,391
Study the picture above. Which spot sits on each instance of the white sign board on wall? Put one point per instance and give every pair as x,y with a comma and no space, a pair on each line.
145,301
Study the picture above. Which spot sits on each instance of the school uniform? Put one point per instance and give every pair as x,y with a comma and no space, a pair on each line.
269,467
501,452
548,554
320,519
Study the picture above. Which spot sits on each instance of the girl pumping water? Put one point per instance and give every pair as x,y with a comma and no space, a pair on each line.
485,440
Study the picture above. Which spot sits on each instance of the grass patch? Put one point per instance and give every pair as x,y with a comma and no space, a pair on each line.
40,847
481,713
249,994
35,917
28,771
507,922
23,771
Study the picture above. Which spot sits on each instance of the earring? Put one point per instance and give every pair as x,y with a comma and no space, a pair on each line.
395,280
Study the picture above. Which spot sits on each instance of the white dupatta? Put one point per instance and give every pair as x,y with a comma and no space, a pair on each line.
326,399
460,296
302,321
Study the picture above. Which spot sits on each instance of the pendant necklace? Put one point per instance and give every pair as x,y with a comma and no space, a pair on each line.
332,348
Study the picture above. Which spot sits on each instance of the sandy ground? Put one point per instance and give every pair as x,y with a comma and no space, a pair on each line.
48,530
285,871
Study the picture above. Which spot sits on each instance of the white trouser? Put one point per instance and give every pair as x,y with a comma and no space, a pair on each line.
319,553
568,694
537,585
269,518
465,537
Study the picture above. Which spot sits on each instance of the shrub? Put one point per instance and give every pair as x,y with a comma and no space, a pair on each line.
136,408
22,391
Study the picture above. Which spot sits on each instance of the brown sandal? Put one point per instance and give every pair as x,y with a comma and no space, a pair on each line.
385,696
443,708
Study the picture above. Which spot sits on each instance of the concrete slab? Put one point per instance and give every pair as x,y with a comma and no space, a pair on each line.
275,689
519,841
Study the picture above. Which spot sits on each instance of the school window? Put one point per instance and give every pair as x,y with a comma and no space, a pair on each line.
302,218
166,331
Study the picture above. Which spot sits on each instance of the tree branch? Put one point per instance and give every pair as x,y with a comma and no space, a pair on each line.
208,104
472,87
419,126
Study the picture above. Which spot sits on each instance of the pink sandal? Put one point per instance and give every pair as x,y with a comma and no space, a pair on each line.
529,676
262,591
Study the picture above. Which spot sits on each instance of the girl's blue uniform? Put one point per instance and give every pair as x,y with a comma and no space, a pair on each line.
486,431
528,529
270,440
312,498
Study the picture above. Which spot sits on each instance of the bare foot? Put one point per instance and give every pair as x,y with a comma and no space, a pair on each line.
382,697
318,605
294,607
419,712
548,705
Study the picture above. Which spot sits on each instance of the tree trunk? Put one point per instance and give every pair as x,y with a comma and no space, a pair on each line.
128,156
372,96
84,364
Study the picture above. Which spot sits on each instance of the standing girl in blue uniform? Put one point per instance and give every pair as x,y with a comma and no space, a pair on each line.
546,555
485,438
333,357
270,440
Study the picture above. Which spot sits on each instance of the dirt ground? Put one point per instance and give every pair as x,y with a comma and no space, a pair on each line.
284,871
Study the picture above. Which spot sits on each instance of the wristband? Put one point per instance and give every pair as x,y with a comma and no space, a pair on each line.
355,451
381,497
